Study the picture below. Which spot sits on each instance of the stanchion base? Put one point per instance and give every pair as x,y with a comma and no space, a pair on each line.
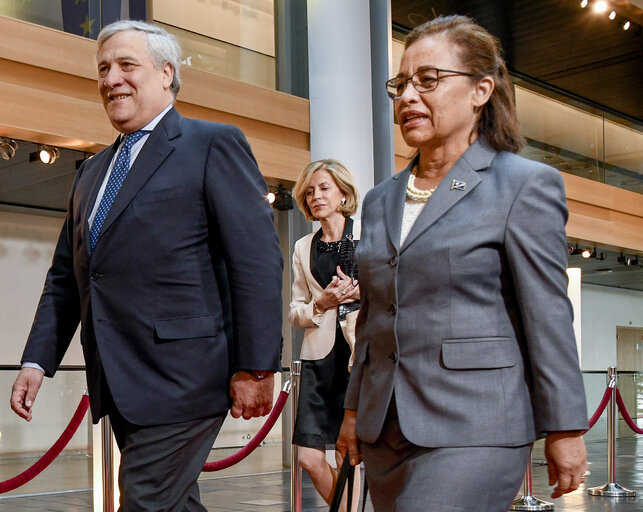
531,503
611,490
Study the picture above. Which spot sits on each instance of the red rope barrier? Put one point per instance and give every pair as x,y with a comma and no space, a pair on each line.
41,464
625,414
53,452
254,442
601,407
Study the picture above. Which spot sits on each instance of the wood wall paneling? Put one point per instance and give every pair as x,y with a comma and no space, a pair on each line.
48,94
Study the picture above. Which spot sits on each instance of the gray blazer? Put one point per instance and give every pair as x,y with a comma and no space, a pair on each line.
468,323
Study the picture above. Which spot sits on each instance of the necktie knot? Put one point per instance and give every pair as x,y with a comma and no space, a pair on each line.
133,138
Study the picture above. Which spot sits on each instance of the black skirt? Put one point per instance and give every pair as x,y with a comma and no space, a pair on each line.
321,397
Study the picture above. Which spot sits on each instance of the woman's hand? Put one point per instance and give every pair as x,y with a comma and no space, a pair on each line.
566,461
341,289
349,285
347,440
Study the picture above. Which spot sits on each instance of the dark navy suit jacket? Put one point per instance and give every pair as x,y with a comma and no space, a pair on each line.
184,285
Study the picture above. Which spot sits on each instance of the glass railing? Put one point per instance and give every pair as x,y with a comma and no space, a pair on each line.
22,444
84,18
239,45
579,138
225,59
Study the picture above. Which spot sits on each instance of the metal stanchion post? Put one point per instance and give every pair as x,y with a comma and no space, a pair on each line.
108,465
611,489
529,502
295,468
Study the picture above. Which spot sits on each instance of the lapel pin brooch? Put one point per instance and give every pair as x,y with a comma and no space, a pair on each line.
458,185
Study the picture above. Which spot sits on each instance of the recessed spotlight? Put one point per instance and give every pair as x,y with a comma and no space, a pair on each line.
45,154
48,155
8,148
587,253
583,4
612,15
600,6
271,197
626,25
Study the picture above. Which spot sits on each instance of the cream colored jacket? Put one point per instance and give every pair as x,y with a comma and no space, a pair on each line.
319,335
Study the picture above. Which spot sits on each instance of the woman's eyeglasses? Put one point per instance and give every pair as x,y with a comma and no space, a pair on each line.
424,80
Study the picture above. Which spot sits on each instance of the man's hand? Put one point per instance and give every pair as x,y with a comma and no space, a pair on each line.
24,391
566,461
347,440
252,397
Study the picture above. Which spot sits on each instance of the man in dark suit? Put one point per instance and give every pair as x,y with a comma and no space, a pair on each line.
169,260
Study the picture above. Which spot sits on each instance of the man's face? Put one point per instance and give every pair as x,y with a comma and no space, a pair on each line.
133,91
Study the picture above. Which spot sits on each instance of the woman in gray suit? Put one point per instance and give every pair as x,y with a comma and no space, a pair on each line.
465,350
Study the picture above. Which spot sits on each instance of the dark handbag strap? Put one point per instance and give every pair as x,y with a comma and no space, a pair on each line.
346,472
364,494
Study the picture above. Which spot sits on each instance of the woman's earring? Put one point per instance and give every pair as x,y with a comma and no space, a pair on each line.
343,200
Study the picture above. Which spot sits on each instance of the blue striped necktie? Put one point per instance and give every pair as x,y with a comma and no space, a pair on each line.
119,172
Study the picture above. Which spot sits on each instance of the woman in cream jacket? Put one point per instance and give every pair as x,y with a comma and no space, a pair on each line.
325,302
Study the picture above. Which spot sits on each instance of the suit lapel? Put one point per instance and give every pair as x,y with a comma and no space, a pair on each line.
153,153
455,186
394,205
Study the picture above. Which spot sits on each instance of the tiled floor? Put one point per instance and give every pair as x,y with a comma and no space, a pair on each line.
270,491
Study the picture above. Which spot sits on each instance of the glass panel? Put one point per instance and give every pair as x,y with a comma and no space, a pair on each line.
35,11
560,135
579,139
245,23
624,155
81,17
22,443
225,59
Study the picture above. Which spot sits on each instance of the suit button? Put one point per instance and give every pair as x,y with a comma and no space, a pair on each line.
93,276
393,261
392,309
393,357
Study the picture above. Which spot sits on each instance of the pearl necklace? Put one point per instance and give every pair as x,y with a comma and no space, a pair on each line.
414,193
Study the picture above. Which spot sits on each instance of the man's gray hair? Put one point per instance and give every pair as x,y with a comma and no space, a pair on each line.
163,46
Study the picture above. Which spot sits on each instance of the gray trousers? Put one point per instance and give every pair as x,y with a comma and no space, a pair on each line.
160,464
403,477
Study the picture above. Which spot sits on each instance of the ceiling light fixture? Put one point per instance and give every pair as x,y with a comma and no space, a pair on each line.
612,15
271,197
626,25
587,253
583,4
600,6
8,148
48,155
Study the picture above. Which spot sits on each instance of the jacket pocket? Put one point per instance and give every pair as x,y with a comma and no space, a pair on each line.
170,329
362,357
478,353
164,194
